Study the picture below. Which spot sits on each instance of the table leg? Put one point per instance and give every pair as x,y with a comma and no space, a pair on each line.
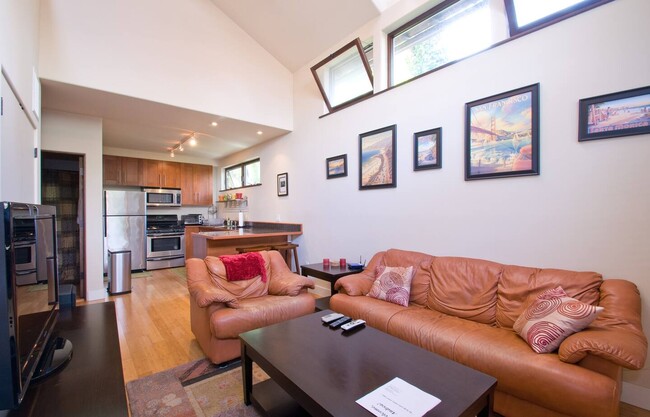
332,287
247,374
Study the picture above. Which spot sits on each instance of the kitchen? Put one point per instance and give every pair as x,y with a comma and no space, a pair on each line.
152,208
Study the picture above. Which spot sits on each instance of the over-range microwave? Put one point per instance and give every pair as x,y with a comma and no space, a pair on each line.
163,197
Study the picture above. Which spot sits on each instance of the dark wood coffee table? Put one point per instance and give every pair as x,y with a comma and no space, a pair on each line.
321,372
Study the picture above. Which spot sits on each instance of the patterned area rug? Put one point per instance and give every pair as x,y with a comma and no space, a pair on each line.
196,389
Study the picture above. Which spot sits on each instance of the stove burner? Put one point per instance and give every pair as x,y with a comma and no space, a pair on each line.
164,224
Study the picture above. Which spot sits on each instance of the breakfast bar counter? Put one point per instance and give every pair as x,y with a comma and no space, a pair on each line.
219,240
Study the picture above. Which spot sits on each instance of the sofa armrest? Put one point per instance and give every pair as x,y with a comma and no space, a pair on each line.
201,287
616,334
361,283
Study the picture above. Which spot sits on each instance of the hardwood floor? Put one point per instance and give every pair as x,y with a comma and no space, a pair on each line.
154,328
154,324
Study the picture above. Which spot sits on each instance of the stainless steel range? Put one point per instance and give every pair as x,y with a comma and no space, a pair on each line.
165,241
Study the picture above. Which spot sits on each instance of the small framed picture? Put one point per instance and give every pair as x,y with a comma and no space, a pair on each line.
337,166
624,113
502,135
283,184
377,165
427,149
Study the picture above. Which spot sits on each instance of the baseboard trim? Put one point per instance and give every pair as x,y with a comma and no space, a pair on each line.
96,295
636,395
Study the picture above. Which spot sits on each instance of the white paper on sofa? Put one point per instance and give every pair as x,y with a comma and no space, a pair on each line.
398,398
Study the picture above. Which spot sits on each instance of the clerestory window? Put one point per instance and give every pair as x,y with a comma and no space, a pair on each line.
528,15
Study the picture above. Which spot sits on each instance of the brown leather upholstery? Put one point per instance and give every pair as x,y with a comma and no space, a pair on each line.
220,310
464,309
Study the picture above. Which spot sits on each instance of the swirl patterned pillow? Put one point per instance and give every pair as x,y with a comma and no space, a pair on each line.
393,284
553,317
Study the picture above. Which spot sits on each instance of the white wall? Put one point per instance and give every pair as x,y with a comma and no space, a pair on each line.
186,53
82,135
19,126
588,210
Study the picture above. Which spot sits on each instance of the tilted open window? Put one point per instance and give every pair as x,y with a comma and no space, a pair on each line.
344,77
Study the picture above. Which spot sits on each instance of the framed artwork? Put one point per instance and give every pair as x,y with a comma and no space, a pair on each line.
427,149
337,166
502,135
283,184
377,165
612,115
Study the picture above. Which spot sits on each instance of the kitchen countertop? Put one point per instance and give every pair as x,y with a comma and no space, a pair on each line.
255,229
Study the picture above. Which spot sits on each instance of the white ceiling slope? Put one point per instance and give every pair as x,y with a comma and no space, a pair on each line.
297,31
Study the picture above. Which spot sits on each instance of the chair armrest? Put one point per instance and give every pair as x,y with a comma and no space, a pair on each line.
289,283
616,334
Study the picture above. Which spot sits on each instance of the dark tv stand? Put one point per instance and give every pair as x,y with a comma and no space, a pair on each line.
57,355
92,383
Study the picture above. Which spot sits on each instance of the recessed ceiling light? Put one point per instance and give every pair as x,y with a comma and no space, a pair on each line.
192,141
259,132
214,123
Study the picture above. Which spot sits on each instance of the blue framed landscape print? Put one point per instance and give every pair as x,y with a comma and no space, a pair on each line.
377,165
502,135
427,149
337,166
613,115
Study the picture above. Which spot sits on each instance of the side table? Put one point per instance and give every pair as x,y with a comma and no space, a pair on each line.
331,273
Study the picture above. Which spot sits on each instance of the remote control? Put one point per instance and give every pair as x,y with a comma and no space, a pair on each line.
354,324
331,317
336,324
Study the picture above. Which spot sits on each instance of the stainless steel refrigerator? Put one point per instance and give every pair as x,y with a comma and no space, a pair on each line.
124,226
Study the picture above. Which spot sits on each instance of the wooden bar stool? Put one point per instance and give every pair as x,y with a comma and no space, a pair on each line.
246,249
289,250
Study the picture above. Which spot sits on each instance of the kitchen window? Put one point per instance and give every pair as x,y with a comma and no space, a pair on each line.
241,175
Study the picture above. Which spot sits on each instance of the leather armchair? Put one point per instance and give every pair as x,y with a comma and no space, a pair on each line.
220,309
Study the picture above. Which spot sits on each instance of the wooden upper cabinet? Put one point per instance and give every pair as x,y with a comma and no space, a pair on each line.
196,184
119,170
161,174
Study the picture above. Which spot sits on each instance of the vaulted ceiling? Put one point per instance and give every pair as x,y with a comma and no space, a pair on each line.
295,32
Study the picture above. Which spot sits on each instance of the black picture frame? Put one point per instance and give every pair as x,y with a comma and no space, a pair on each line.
336,166
427,149
624,113
375,149
502,135
283,184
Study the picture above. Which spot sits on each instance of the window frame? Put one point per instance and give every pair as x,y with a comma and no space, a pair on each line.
242,166
413,22
576,9
355,43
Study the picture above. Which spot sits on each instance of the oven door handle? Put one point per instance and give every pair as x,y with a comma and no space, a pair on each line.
166,258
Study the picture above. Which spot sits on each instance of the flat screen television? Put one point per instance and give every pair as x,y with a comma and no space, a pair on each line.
28,300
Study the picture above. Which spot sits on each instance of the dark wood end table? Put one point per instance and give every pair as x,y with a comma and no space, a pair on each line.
331,273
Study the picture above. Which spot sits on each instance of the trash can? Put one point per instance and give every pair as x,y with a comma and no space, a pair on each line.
119,272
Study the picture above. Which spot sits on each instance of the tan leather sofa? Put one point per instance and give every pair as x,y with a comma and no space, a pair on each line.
220,310
464,309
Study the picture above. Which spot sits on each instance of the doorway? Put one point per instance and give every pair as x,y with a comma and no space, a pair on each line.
62,186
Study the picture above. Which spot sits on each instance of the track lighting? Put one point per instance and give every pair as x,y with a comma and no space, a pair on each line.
191,139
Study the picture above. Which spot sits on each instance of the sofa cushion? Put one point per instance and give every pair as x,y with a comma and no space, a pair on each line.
451,290
420,262
253,313
254,287
375,312
553,317
393,284
519,286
